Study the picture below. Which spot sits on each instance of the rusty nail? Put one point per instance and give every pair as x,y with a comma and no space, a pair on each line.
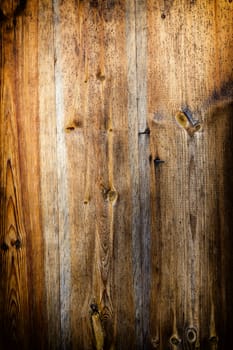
158,161
146,132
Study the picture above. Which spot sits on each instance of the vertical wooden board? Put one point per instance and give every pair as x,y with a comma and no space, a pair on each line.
189,60
92,62
14,299
21,238
28,127
139,133
143,164
134,164
220,244
49,164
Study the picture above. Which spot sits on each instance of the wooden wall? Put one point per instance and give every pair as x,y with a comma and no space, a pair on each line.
116,174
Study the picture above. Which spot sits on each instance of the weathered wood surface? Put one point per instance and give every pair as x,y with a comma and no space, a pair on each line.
22,258
190,65
116,174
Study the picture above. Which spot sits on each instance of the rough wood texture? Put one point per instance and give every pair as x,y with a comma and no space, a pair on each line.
190,68
116,174
22,260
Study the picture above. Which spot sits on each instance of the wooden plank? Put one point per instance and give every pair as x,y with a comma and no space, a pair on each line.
144,165
26,73
22,282
93,65
131,47
189,60
63,194
139,161
49,164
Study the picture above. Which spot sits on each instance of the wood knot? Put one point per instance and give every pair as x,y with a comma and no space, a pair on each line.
100,76
109,194
191,335
185,120
94,308
175,340
112,196
4,247
213,339
73,125
70,128
17,244
97,327
155,343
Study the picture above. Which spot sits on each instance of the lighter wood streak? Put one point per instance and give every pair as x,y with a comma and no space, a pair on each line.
64,229
48,163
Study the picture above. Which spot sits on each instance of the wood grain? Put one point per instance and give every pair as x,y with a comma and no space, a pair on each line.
22,303
116,174
187,69
49,165
131,35
139,162
92,64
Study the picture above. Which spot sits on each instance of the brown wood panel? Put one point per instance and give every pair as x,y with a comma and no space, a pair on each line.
22,280
139,132
116,174
91,75
190,70
49,165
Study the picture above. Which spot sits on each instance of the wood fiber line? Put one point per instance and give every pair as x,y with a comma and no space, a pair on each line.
22,282
189,60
